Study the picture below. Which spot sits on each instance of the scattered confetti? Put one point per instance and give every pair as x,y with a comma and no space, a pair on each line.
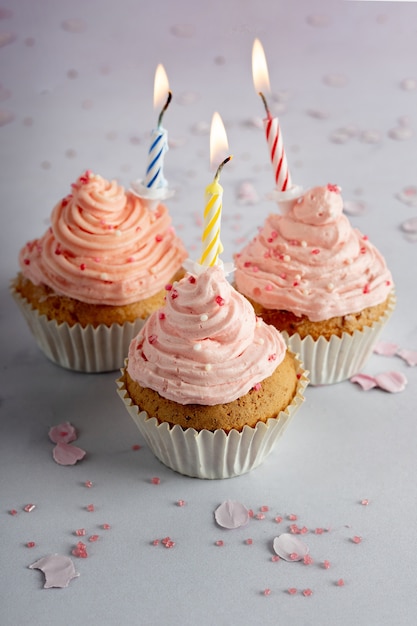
409,356
231,514
106,526
13,512
59,570
180,503
290,547
80,532
88,484
67,454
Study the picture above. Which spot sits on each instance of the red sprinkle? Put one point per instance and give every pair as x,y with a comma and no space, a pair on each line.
307,560
272,357
219,543
278,519
219,300
180,502
83,266
249,542
257,387
264,508
366,289
13,512
159,238
30,544
106,526
307,592
26,262
88,484
275,558
161,315
90,508
326,564
93,538
333,188
136,446
80,532
292,517
292,591
315,251
293,556
155,480
174,294
340,582
192,280
168,287
267,592
152,339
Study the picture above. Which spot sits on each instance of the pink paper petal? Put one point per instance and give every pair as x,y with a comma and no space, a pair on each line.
67,454
385,348
409,356
59,570
393,382
290,548
353,207
63,433
231,514
410,225
365,381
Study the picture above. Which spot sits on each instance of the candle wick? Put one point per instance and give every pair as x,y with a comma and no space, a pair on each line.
166,105
268,113
219,169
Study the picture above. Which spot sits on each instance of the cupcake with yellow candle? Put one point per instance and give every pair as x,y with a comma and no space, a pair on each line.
88,284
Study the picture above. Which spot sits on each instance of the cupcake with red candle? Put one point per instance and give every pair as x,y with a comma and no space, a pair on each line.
88,284
210,386
319,281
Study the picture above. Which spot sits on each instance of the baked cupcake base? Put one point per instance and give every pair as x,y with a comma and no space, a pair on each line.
213,454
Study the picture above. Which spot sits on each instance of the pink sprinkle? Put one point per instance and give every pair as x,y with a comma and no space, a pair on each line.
131,259
247,264
366,289
83,266
315,251
152,339
255,269
268,287
272,357
158,238
169,544
136,446
219,543
294,529
257,387
275,558
292,517
168,287
340,582
161,315
264,508
80,532
307,592
155,542
292,591
90,508
365,502
26,262
267,592
88,484
334,188
356,539
192,279
106,526
293,556
326,564
319,531
303,530
249,542
180,502
260,516
58,251
30,544
219,300
278,519
29,508
307,560
250,513
80,550
93,538
155,480
174,294
165,540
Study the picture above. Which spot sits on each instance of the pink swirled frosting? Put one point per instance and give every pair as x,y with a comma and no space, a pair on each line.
104,246
206,345
311,261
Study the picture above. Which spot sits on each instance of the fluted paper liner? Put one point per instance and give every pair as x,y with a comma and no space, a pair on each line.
207,454
83,349
338,358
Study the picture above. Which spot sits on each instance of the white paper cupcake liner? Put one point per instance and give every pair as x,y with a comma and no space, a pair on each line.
83,349
207,454
339,358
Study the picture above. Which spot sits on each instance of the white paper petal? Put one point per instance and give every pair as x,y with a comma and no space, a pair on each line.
59,570
409,356
66,454
393,382
231,514
290,548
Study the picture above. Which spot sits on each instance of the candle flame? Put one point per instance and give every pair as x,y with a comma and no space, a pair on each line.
218,141
161,87
260,68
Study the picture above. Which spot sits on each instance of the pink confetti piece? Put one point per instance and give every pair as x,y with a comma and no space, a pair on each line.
59,570
408,196
365,381
67,454
290,547
393,382
370,136
63,433
231,514
409,356
385,348
353,207
410,225
401,133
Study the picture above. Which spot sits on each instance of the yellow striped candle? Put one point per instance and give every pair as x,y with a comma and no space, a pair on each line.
211,244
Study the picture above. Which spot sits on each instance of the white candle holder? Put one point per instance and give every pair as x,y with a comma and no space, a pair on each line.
195,268
286,199
152,196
